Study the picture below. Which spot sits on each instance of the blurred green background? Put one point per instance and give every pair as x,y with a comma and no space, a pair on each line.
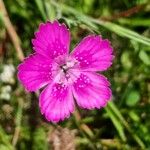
125,122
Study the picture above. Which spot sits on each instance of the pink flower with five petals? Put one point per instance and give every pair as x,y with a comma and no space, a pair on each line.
65,76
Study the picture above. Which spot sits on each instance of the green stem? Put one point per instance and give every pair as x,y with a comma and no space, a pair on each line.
113,107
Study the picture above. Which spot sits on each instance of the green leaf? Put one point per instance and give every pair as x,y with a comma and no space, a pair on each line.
120,30
39,140
125,32
135,22
134,116
5,140
144,57
50,11
133,98
125,60
40,6
118,114
116,123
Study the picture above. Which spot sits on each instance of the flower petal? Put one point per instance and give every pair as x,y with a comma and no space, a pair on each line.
94,53
52,39
35,72
91,90
56,102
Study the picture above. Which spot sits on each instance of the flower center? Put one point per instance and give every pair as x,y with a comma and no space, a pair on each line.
67,68
68,65
64,68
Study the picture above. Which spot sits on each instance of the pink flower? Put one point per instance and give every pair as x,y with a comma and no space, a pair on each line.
66,76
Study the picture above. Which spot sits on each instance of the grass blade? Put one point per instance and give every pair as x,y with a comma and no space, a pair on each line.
119,30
